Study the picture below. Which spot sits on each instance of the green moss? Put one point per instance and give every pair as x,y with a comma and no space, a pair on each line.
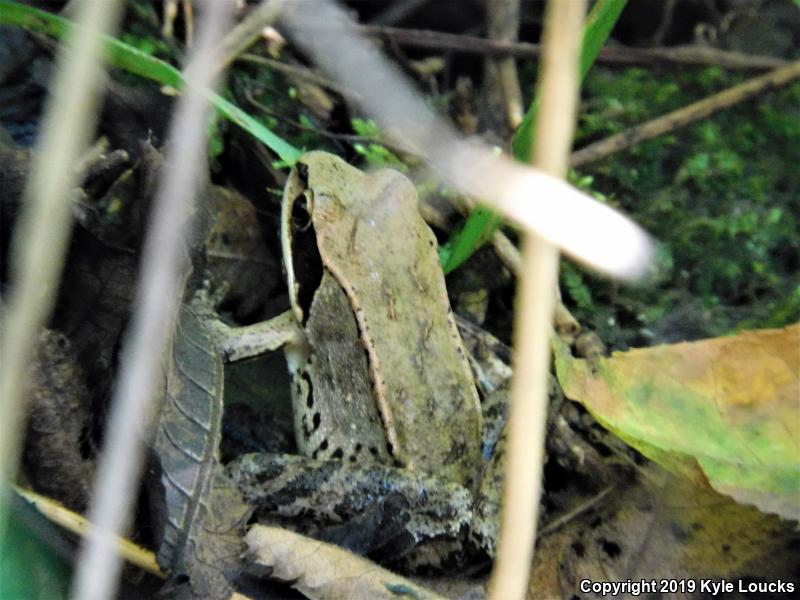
722,196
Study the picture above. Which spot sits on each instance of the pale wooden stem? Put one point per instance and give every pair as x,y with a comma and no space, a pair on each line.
535,303
164,266
246,33
79,525
503,25
42,232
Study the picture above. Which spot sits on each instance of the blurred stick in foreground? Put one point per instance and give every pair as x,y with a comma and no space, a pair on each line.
44,226
164,265
586,230
559,84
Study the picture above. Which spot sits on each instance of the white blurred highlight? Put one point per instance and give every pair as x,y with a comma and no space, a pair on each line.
584,229
581,227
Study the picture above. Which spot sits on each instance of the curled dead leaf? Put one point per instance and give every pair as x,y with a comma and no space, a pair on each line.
324,571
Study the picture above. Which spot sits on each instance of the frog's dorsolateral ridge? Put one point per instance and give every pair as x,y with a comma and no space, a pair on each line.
386,410
385,404
410,398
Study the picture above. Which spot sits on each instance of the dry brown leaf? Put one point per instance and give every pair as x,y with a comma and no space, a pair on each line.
237,256
325,572
684,537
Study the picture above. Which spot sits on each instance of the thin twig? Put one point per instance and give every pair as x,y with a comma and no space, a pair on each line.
247,32
341,137
469,44
693,54
439,40
562,520
665,22
297,72
188,20
555,123
164,268
501,72
43,229
79,525
687,115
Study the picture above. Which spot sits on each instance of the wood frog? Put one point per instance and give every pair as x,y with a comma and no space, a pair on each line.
381,382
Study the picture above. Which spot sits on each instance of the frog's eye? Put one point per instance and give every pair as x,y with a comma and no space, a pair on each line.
301,214
306,263
302,171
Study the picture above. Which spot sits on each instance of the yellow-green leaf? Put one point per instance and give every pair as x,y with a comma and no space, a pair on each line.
725,410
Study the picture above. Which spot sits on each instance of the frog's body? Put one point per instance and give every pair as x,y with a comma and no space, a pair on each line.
387,377
384,398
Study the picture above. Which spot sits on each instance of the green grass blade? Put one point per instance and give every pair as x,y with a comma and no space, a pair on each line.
134,61
599,24
477,230
482,222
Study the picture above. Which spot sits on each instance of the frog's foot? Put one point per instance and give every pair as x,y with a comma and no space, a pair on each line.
410,513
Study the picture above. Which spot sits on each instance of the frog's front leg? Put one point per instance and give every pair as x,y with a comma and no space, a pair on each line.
238,343
381,511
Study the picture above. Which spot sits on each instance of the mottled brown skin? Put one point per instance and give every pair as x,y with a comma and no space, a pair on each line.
385,381
383,257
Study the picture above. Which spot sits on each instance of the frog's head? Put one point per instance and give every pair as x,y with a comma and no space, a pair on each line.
330,178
